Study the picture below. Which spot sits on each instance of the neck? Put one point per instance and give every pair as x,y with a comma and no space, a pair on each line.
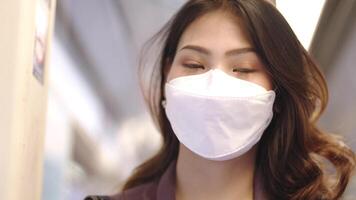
199,178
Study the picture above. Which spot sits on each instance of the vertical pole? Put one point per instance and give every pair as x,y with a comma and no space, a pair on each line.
23,100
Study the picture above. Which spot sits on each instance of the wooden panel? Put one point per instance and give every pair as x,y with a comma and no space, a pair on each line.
22,101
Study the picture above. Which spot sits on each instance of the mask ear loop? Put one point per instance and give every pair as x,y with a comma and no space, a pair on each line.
164,103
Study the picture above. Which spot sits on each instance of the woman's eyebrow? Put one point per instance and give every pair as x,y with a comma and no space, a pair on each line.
232,52
240,51
198,49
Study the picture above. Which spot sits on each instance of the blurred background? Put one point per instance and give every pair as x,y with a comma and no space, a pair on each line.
98,129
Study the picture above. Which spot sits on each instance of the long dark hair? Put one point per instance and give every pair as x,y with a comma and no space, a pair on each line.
293,151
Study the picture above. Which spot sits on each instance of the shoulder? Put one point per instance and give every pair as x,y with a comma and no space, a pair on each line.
142,192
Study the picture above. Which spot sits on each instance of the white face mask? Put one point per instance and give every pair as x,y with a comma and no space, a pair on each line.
218,116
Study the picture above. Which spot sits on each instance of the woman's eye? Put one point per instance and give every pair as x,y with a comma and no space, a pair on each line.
243,70
194,66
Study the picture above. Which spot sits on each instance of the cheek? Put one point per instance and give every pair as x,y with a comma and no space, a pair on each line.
175,72
263,80
172,73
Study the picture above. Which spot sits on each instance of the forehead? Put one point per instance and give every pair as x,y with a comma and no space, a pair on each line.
216,30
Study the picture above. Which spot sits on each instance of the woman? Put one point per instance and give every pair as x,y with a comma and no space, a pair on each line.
236,98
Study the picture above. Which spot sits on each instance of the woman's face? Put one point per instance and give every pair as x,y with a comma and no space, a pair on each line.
217,40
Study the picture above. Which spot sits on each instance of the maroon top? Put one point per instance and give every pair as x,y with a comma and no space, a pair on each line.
164,189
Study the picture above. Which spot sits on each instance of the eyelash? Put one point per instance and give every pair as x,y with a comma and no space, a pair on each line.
194,66
238,70
243,70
